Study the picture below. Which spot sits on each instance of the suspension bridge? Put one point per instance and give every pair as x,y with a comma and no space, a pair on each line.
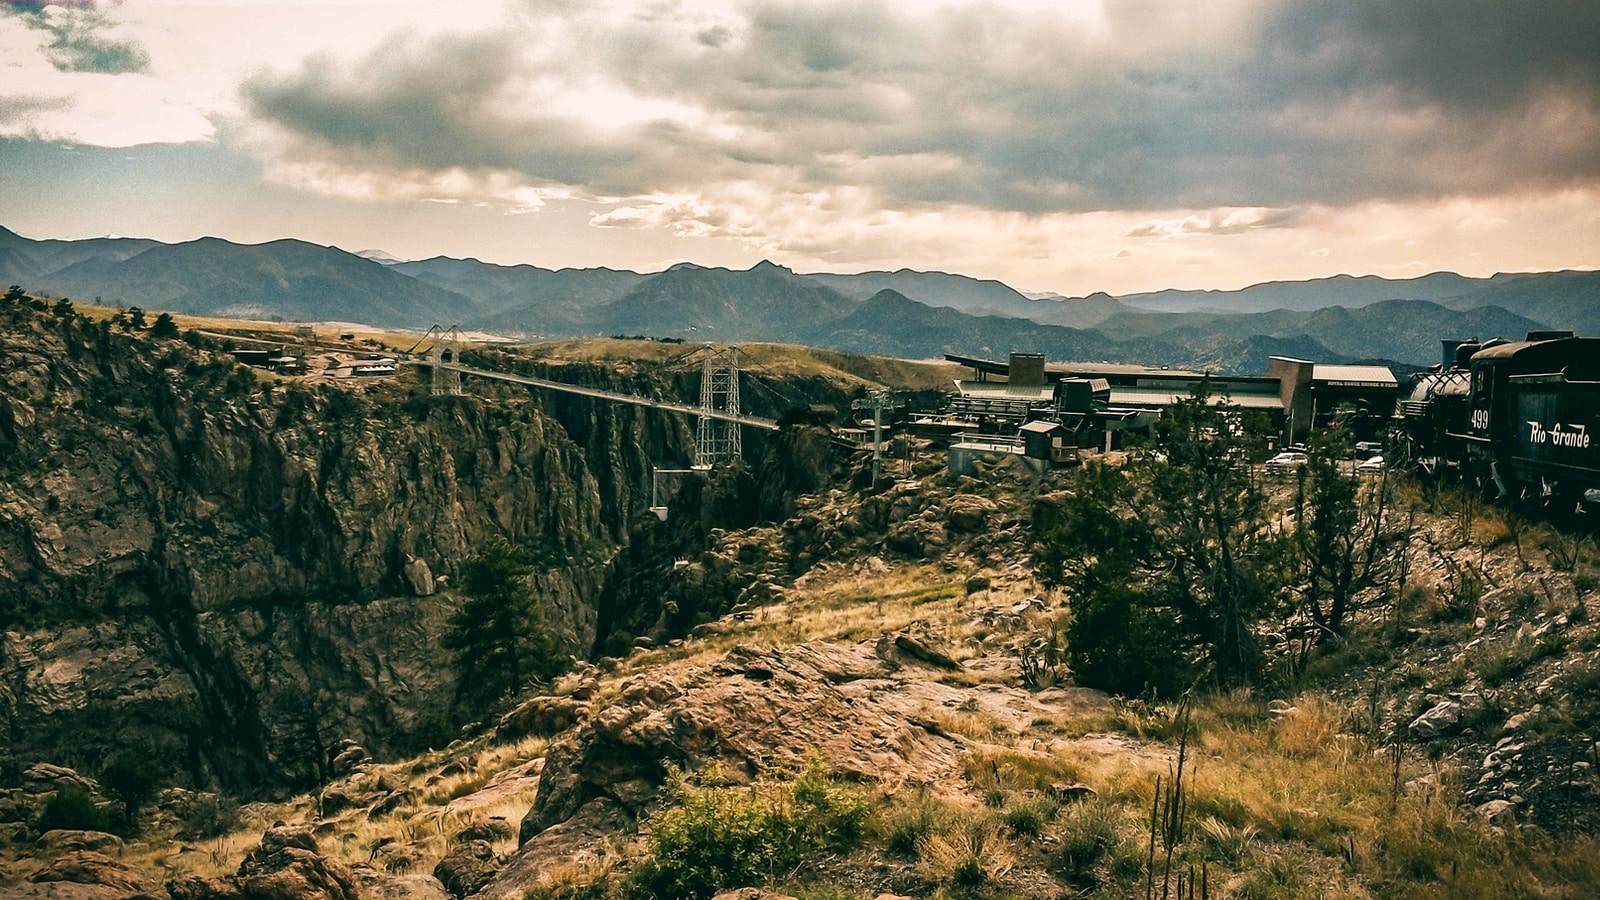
718,417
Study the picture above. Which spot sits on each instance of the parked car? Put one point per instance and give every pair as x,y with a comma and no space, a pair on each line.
1287,463
1372,465
1368,449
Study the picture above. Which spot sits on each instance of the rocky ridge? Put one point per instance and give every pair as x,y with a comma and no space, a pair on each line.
236,571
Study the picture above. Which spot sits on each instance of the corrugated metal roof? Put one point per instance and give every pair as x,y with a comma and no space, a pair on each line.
1041,426
1375,375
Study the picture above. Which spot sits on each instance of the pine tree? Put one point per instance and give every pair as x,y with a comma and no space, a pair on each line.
497,635
164,327
1168,563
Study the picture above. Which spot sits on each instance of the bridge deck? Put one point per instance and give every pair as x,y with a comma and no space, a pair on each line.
613,396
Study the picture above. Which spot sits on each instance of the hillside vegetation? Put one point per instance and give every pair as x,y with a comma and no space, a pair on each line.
881,689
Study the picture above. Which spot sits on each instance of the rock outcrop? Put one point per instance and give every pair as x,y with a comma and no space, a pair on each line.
748,712
88,875
237,572
288,866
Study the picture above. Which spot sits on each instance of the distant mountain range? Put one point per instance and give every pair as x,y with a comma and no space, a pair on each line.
903,313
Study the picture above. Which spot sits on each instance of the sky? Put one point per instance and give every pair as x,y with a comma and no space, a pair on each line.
1065,146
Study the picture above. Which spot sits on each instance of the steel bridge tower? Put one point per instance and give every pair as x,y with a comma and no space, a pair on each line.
715,439
446,350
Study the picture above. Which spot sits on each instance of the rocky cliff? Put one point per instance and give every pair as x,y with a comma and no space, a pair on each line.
237,571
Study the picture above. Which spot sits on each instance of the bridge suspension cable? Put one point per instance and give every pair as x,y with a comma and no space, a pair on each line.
613,396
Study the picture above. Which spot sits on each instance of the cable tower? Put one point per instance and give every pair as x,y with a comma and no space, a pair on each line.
718,440
446,351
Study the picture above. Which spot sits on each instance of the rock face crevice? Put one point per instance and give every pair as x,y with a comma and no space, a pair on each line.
224,568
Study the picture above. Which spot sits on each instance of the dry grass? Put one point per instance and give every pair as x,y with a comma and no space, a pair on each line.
845,608
411,838
973,853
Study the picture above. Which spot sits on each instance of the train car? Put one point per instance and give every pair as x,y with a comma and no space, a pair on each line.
1522,415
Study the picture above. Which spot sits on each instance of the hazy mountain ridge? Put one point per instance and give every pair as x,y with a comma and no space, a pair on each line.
525,298
765,302
1332,319
288,278
1335,290
1563,299
294,279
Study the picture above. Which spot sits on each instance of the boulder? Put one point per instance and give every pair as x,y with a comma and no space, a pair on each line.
490,830
1496,811
566,847
42,778
1519,721
541,716
1444,716
467,868
197,887
418,576
62,841
288,866
1070,792
86,867
348,756
900,646
977,584
751,710
377,885
968,512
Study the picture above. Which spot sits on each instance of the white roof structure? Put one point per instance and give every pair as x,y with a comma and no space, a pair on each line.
1354,376
1166,396
1000,390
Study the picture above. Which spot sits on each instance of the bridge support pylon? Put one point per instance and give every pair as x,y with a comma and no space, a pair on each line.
718,440
446,350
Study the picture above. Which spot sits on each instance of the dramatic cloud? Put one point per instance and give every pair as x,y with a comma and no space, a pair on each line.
1067,145
1138,105
75,75
82,39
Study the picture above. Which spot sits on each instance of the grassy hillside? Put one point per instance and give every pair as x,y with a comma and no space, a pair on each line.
893,719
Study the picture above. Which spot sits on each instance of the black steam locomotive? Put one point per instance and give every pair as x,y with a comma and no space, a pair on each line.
1524,415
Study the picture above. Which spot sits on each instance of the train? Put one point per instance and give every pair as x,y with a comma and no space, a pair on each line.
1522,416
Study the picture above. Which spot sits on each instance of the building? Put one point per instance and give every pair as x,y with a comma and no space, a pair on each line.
1315,395
1296,395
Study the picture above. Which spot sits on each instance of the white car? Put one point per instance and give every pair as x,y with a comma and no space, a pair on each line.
1287,463
1372,465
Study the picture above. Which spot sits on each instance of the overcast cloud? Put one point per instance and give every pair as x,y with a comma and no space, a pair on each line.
1262,105
1099,143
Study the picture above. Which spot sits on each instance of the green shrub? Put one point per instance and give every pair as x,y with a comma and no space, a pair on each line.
905,828
1089,833
1028,818
73,809
725,837
210,816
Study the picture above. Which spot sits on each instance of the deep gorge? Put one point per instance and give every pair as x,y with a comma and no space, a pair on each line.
231,570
